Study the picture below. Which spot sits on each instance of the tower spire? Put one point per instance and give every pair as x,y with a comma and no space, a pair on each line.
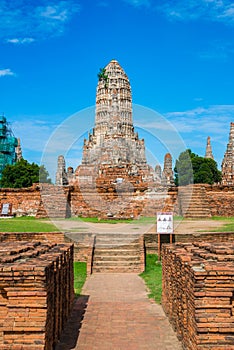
228,160
113,140
209,153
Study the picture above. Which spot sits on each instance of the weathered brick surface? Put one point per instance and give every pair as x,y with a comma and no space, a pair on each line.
36,293
220,200
54,237
83,248
151,239
198,290
25,201
103,198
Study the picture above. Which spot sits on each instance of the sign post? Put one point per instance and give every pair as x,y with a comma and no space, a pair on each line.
164,226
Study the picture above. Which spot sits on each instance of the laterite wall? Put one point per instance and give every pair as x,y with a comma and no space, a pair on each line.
198,293
36,293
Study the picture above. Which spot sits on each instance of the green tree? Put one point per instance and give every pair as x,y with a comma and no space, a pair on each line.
23,174
44,175
183,169
191,168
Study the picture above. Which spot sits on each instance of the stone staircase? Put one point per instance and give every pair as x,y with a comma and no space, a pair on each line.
193,201
54,202
116,252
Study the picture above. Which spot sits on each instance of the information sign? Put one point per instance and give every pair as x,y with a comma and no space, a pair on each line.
5,209
164,222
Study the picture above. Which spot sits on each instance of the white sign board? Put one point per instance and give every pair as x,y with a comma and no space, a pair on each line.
165,222
5,209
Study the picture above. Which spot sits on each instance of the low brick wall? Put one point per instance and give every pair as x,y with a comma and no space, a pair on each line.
220,200
36,293
42,200
54,237
198,293
151,239
25,201
83,247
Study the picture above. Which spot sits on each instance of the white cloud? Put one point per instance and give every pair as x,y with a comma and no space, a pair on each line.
33,133
228,13
57,12
214,119
48,18
213,10
6,72
138,3
196,124
19,41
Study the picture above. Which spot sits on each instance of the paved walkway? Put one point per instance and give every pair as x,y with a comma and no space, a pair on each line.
117,315
180,226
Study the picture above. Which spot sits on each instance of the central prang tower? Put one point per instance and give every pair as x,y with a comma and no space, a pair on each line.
113,140
113,179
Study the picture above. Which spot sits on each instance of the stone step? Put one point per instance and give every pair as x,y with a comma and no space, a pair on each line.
117,253
116,270
197,210
195,215
111,263
114,251
119,258
117,236
130,245
193,202
116,240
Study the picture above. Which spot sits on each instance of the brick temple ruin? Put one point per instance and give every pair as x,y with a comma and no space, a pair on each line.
114,176
113,153
114,179
198,293
228,160
36,292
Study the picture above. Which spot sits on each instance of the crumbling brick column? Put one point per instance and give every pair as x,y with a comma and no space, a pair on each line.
36,293
198,290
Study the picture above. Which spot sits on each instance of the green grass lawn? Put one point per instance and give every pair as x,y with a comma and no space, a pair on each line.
153,277
80,275
142,220
227,227
26,224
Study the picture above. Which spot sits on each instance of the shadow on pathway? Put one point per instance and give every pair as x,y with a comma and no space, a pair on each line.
71,332
119,316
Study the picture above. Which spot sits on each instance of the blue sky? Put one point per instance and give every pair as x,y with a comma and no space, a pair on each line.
178,55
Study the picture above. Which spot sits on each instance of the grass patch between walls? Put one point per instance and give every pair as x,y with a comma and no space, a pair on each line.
80,274
153,277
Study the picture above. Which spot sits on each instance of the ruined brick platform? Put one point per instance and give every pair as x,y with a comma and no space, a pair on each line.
198,293
36,293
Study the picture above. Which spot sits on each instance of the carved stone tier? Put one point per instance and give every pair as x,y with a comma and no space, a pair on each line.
209,153
113,140
228,160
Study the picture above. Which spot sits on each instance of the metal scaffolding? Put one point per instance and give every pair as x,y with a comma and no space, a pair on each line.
8,144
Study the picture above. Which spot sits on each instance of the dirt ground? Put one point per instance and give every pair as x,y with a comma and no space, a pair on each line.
180,227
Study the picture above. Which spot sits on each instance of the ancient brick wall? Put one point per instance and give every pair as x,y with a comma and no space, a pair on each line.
54,237
25,201
198,293
83,248
57,201
151,239
220,200
36,294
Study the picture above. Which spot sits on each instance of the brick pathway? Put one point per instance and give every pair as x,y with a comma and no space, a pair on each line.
117,315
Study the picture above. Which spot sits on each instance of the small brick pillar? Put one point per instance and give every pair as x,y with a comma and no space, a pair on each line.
198,293
36,293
